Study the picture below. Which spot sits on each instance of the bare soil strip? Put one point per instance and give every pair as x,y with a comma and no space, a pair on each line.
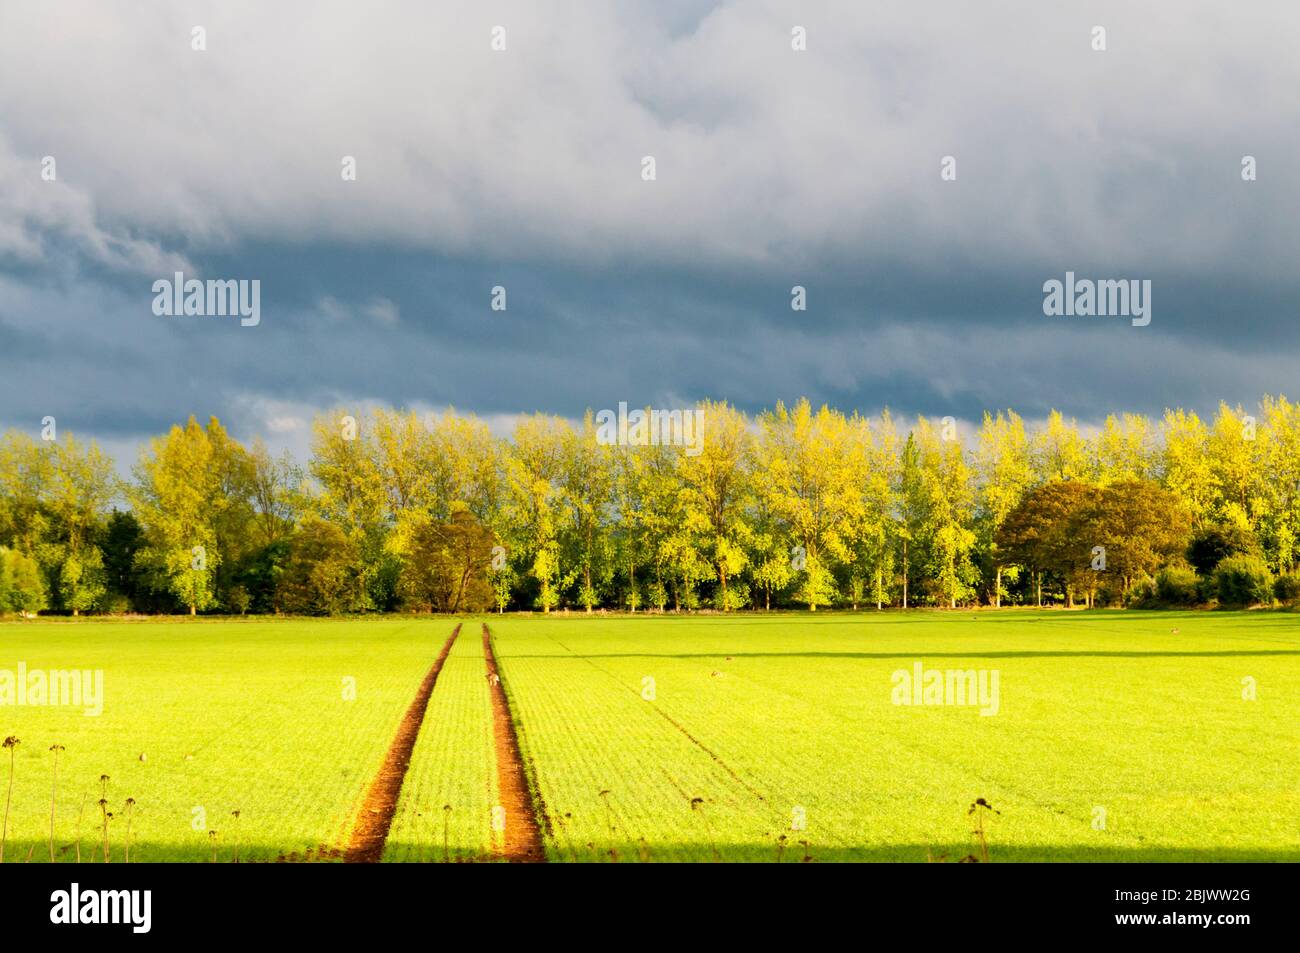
522,839
375,817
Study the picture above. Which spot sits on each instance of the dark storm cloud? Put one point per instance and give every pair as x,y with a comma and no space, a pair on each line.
521,169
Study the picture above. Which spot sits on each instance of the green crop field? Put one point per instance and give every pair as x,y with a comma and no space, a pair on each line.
1107,736
445,811
762,716
246,716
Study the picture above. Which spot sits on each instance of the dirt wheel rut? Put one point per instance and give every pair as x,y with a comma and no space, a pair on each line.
375,817
521,841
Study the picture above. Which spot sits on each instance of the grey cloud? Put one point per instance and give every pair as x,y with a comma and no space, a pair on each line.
522,168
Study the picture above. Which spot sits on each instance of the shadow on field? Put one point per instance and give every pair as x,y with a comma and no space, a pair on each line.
794,853
16,853
517,652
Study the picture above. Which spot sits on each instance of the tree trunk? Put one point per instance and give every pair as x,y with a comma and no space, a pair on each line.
193,609
464,581
1038,589
878,588
997,590
904,574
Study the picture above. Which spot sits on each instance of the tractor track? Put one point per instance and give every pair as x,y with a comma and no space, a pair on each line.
375,816
525,815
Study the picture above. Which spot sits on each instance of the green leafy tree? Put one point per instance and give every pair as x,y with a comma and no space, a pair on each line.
587,489
535,504
121,540
1233,456
352,496
1060,452
179,497
1210,545
80,485
1278,497
1244,581
676,561
873,535
324,574
1187,470
1004,473
947,503
1048,532
1124,450
815,466
715,488
1142,527
911,508
25,467
448,568
82,580
21,583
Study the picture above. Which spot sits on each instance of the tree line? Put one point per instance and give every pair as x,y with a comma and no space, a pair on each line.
796,506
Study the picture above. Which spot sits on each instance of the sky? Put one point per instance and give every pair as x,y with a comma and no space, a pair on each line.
523,168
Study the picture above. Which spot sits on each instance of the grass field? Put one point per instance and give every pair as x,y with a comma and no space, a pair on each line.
762,715
247,716
445,811
1117,736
